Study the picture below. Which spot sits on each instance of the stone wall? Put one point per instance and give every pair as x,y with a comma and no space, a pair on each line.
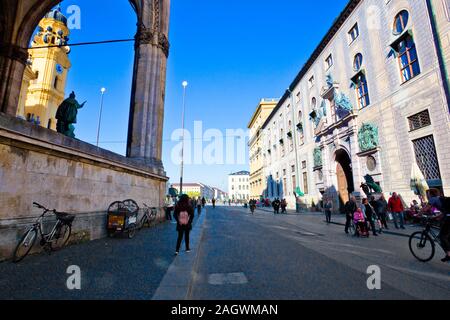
69,175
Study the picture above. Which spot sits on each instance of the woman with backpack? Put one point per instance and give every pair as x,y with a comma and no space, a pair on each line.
184,215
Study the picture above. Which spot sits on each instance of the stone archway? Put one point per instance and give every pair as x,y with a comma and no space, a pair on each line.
344,176
20,19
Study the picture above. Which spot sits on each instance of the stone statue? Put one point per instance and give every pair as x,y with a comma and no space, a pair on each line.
318,157
343,104
370,187
67,115
368,137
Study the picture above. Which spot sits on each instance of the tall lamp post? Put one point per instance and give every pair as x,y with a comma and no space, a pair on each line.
103,90
184,84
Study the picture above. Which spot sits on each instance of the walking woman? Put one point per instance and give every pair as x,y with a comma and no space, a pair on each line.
184,215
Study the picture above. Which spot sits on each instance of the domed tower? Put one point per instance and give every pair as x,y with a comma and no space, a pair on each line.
51,66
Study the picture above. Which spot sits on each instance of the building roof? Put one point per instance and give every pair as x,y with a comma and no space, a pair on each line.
57,15
263,102
337,24
240,173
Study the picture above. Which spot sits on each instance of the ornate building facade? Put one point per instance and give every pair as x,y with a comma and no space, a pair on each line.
371,103
44,90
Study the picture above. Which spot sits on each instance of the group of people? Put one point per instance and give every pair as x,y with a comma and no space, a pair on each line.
372,215
278,204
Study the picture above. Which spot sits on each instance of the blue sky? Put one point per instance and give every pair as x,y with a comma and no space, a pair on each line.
232,52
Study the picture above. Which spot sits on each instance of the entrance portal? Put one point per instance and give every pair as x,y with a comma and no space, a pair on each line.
344,175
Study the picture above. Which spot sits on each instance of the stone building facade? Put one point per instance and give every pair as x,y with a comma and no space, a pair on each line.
257,178
370,103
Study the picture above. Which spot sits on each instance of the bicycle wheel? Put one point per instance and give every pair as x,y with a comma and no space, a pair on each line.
422,246
131,231
62,237
144,221
352,229
25,245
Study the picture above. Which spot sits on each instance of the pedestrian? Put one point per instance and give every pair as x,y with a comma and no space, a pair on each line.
203,202
199,206
276,206
169,208
395,206
184,215
328,207
213,203
360,223
349,208
283,206
370,215
441,205
381,209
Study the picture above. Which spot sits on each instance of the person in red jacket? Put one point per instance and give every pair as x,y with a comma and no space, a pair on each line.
395,206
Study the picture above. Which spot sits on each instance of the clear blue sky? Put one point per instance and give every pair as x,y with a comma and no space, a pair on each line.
232,52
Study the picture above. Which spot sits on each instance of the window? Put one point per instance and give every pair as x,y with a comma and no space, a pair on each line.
304,165
401,21
294,183
353,34
55,84
357,62
329,61
311,82
446,4
313,103
362,91
293,169
305,183
419,120
427,160
408,60
298,96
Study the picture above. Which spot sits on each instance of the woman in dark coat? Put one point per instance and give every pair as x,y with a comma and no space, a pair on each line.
182,206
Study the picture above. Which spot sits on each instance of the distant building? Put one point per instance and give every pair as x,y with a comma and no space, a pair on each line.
220,195
257,174
196,190
239,186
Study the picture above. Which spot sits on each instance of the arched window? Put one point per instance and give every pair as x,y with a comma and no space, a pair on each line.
357,63
300,116
408,59
313,103
401,21
362,91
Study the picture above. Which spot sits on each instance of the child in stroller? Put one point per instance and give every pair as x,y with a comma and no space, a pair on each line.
360,223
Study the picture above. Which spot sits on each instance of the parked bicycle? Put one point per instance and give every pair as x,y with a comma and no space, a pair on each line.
422,244
149,216
57,238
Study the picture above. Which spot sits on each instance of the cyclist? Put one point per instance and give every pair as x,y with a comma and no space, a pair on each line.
252,206
439,205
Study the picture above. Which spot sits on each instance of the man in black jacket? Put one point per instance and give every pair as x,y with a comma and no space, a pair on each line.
350,208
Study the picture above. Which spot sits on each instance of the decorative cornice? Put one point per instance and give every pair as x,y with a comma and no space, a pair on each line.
14,52
146,36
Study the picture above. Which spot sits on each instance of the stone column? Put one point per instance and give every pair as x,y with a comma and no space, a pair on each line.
147,104
13,60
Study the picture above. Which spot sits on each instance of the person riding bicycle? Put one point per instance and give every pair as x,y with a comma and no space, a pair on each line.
439,206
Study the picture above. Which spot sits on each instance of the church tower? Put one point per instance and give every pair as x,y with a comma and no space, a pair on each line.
50,66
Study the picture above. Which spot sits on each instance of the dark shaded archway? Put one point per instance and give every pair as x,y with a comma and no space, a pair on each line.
344,176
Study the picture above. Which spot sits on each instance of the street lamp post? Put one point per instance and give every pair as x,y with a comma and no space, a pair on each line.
103,90
185,84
